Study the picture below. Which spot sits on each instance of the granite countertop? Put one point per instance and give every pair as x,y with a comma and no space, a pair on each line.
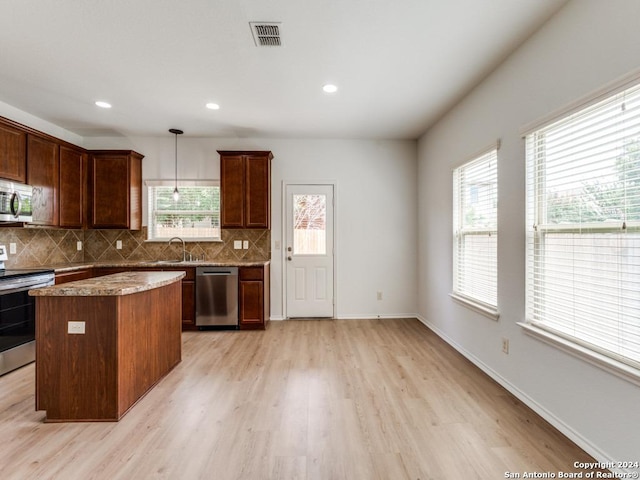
116,284
156,264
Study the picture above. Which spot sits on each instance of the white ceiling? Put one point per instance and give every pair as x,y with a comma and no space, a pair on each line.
399,64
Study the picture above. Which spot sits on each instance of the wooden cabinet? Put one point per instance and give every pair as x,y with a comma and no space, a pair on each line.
245,188
131,341
253,297
188,288
188,296
66,277
13,153
42,175
71,193
115,189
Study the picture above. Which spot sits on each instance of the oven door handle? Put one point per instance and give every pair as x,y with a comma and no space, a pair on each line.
5,290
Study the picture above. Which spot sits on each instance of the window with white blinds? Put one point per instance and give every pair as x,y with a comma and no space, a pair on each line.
583,227
475,222
194,216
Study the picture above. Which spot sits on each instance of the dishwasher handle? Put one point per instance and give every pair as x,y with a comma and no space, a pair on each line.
216,271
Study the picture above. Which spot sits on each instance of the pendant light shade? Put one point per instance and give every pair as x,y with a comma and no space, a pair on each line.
176,193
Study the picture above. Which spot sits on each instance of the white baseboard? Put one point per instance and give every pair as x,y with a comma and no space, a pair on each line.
574,436
364,316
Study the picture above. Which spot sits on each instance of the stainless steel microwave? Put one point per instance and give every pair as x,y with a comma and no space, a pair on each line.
15,202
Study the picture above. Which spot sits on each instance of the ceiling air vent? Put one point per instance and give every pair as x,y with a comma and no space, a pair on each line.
266,34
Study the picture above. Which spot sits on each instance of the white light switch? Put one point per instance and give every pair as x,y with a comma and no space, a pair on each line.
237,244
79,246
118,244
12,248
245,244
76,328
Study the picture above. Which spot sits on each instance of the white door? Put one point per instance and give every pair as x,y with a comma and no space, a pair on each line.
309,250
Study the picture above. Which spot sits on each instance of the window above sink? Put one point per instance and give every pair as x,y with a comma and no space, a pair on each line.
195,216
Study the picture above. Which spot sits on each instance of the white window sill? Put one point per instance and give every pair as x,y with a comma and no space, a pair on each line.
479,307
620,369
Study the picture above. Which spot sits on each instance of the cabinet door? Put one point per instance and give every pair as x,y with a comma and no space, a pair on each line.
116,190
13,154
67,277
257,191
42,175
188,304
251,304
70,204
232,191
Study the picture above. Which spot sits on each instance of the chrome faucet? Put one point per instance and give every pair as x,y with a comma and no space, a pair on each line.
184,250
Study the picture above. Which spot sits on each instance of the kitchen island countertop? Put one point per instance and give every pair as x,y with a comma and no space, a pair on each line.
116,284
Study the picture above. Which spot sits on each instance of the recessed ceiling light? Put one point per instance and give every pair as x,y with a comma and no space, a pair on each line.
213,106
102,104
329,88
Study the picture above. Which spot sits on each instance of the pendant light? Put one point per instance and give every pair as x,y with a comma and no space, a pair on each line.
176,193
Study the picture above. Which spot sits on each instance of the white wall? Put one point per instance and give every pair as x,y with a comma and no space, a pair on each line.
587,45
376,231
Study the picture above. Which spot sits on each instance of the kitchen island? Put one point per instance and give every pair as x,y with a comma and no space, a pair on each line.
103,343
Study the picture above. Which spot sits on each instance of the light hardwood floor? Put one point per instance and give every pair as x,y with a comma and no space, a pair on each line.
307,399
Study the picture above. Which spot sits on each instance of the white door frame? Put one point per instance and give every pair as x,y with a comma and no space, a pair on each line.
283,258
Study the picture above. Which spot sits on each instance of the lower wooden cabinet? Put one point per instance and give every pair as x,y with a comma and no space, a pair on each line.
253,297
253,292
188,288
65,277
188,297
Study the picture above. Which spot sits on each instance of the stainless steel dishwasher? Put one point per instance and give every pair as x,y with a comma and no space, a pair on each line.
217,297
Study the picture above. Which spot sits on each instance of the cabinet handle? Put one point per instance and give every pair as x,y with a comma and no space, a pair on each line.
289,258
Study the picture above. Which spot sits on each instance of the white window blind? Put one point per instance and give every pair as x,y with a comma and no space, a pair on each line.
195,215
475,275
583,227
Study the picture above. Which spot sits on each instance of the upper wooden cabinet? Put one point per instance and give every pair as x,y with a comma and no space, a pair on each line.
42,175
115,189
13,153
73,166
245,189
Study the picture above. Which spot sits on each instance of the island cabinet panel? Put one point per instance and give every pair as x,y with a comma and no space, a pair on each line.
115,189
13,153
43,176
130,342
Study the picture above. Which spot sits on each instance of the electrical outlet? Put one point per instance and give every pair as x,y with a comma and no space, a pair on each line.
237,244
79,245
379,295
76,328
12,248
118,244
245,244
505,346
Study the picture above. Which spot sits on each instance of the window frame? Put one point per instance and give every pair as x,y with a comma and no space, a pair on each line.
487,308
539,227
150,184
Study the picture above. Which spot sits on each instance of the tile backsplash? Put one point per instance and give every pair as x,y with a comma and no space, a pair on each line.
41,247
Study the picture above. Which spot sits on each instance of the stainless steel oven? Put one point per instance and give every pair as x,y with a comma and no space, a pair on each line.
17,315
